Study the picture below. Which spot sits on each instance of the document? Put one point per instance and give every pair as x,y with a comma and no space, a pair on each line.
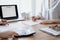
30,22
19,28
50,31
12,26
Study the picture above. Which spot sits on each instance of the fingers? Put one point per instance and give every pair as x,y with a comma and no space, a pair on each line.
4,22
8,34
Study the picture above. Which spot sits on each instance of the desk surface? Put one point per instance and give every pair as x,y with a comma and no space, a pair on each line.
39,34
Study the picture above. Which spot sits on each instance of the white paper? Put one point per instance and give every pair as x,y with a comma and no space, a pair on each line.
12,26
51,31
30,22
17,27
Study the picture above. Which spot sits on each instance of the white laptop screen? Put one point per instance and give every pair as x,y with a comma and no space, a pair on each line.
9,11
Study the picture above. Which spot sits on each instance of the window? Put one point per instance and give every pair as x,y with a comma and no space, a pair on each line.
25,6
32,7
38,6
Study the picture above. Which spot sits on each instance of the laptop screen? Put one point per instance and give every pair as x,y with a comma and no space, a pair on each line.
8,12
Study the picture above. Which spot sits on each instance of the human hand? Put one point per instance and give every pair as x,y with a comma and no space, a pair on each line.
34,18
4,22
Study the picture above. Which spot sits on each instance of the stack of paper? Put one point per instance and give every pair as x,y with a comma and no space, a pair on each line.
19,28
50,31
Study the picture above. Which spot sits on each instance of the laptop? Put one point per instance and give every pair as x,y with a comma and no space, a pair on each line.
9,12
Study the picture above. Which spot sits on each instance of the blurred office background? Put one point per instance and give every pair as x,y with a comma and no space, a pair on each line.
48,9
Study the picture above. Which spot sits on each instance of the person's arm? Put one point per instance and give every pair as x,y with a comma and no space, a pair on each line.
8,34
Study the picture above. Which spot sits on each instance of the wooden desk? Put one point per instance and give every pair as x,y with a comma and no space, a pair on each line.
39,34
